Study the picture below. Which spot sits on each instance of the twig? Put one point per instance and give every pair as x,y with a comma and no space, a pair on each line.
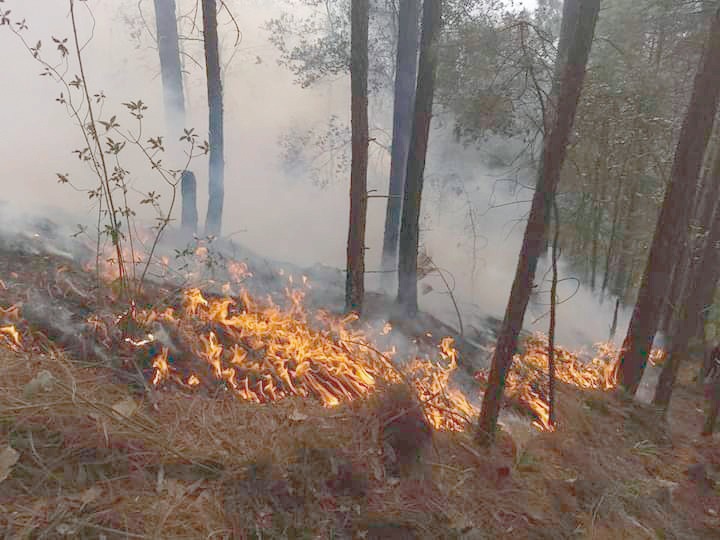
553,308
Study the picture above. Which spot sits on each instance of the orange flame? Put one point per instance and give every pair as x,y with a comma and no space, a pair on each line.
11,331
162,369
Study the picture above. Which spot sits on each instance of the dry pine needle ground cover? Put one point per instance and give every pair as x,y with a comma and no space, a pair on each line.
85,454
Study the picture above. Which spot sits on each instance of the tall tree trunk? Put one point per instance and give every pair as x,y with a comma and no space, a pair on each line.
702,213
700,273
613,235
355,279
597,222
706,197
554,151
624,272
674,215
568,23
405,79
174,101
410,224
216,186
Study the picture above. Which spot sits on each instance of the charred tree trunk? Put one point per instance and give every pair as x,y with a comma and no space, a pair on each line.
216,186
405,79
410,225
674,215
355,279
174,100
554,151
706,271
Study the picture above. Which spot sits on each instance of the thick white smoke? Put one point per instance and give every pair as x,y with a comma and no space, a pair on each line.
275,212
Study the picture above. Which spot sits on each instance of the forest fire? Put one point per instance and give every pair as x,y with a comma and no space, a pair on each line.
10,335
528,380
259,351
263,352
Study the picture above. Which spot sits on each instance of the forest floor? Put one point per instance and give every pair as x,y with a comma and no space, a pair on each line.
88,451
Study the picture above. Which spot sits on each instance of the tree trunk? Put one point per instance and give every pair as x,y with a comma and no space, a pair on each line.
410,224
569,21
613,325
613,234
624,272
674,215
188,192
216,188
174,100
706,271
355,278
598,211
706,197
554,151
405,80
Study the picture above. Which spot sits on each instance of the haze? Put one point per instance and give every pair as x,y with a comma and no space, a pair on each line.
278,213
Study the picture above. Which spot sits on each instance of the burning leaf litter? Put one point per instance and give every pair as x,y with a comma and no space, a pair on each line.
528,380
260,351
265,351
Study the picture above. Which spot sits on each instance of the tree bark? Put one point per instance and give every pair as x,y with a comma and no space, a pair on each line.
410,224
674,214
568,23
598,212
706,198
613,234
624,272
405,80
554,151
216,187
355,278
188,192
174,100
700,274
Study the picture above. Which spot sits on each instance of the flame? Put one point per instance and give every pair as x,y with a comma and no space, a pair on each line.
238,271
445,408
11,316
11,331
527,380
265,352
162,370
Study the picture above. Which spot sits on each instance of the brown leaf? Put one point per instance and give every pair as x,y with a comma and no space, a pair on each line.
8,458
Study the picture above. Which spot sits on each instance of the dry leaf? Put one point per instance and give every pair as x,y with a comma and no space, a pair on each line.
297,416
89,495
8,458
125,408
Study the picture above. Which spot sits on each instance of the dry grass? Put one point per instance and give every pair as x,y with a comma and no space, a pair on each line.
196,467
99,457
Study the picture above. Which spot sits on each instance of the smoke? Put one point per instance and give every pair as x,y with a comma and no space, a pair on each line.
274,212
